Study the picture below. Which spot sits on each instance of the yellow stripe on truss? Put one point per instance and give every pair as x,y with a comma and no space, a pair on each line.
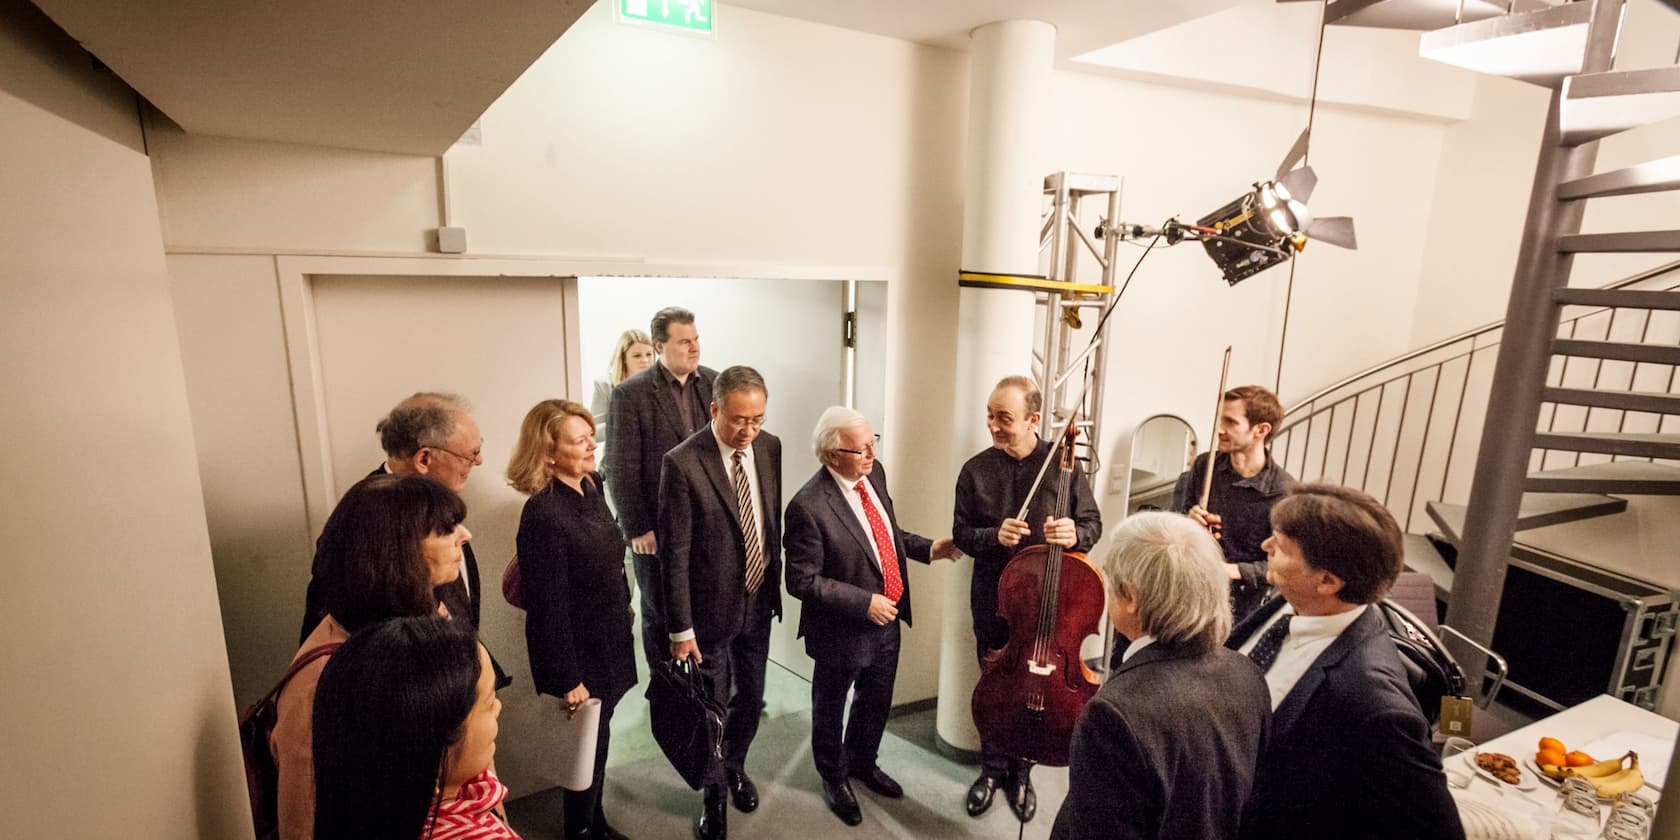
1028,282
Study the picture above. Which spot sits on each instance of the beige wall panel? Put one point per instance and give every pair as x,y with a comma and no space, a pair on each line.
119,721
234,354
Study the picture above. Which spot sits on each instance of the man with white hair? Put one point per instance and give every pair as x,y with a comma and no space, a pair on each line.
1168,747
845,561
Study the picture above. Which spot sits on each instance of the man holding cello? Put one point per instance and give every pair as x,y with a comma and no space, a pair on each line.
991,490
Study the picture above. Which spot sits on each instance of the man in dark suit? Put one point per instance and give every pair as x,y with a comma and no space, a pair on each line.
720,540
430,434
846,562
1168,747
1349,754
651,413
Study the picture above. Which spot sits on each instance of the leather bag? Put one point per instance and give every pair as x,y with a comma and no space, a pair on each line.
687,722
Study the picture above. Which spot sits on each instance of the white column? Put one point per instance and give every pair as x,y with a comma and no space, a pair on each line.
1010,66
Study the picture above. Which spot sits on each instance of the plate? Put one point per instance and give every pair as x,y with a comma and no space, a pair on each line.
1531,768
1527,779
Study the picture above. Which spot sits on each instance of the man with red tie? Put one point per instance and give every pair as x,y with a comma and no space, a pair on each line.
846,563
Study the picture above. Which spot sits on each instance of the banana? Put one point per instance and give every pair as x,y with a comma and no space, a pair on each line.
1622,781
1599,769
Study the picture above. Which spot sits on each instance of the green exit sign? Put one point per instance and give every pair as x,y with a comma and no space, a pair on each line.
686,15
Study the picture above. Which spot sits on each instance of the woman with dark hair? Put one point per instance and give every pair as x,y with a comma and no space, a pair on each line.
387,544
405,727
571,558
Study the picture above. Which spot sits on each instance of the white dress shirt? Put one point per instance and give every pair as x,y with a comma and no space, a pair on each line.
1137,644
1309,636
848,489
728,451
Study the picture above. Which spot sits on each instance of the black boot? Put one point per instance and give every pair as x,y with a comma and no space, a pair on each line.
578,808
714,816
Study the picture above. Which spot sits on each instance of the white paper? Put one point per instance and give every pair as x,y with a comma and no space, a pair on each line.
577,745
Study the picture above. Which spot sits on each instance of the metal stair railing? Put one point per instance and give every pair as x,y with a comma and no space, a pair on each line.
1398,430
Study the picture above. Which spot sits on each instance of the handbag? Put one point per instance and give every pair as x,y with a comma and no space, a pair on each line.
687,721
256,724
1430,668
513,586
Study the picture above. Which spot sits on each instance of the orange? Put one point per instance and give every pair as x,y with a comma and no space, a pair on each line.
1579,759
1553,744
1552,757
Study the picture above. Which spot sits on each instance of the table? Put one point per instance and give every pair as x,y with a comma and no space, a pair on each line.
1577,727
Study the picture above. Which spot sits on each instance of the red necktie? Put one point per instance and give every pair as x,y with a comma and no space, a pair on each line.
893,585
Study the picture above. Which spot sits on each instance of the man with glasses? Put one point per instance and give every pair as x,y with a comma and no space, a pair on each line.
846,562
429,434
720,549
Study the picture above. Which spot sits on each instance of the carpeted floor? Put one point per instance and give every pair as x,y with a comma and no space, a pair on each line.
646,800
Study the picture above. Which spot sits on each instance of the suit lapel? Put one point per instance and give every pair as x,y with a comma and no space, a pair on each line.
1254,620
843,512
711,460
1295,702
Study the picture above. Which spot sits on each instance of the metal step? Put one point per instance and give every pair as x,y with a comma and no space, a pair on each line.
1625,298
1642,241
1634,478
1639,445
1654,402
1661,354
1538,510
1417,15
1541,46
1421,556
1594,105
1650,176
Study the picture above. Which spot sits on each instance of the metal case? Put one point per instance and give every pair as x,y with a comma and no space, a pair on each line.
1572,631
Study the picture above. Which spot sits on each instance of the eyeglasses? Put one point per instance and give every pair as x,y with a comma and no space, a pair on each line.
471,459
868,448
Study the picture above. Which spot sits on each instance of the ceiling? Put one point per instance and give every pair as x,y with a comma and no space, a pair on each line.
1081,25
388,75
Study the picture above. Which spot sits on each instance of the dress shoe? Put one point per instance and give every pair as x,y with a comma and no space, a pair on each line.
980,794
714,820
838,796
742,791
876,779
1023,800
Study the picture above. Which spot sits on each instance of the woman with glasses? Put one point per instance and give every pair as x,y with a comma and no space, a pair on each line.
571,558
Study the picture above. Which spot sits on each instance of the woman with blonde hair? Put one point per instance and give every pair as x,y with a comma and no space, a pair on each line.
577,599
632,355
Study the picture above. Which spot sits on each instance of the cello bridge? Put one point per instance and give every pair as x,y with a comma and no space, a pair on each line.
1042,669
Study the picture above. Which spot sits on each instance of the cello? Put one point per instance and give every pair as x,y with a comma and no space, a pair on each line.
1032,690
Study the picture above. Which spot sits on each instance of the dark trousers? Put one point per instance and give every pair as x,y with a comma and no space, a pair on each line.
994,763
656,642
734,668
870,706
582,808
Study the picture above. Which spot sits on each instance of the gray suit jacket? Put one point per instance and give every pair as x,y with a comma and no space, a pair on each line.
1168,748
702,557
644,423
831,568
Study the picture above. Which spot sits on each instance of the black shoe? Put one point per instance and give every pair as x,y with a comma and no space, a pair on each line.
1023,800
876,779
980,794
742,791
714,819
840,799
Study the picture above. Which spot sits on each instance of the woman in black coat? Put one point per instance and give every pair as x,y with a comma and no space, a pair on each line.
571,559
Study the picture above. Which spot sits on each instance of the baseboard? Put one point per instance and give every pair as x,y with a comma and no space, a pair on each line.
927,704
954,752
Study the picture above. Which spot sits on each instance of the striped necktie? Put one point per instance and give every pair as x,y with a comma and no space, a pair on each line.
749,525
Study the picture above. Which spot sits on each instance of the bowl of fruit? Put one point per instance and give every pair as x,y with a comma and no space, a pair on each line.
1610,777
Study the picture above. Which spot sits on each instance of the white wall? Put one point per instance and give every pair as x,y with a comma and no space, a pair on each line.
118,716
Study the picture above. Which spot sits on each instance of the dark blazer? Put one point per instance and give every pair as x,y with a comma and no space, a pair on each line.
831,568
700,550
463,595
1349,754
644,423
577,601
1168,748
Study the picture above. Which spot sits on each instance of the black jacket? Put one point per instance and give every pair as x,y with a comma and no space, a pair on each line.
831,568
1168,748
644,423
577,601
1349,754
701,555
